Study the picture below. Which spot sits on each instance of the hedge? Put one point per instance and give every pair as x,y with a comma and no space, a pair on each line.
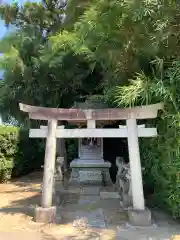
161,159
19,154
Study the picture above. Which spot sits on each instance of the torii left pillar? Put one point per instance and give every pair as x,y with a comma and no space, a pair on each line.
47,213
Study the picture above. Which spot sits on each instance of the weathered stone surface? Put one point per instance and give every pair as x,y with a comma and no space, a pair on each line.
90,164
90,168
45,215
43,113
139,217
58,168
113,204
109,195
115,217
90,219
66,198
88,190
108,188
90,177
107,178
88,199
123,182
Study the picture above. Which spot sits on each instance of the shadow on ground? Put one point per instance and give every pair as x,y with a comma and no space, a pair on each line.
24,206
28,180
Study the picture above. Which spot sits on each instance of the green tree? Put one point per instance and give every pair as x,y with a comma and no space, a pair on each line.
122,36
28,78
106,40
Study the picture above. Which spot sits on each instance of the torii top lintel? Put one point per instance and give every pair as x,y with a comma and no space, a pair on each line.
74,114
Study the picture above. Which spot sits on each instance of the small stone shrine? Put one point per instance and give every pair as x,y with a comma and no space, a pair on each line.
90,167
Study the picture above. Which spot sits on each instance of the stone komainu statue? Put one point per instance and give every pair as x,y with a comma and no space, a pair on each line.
123,182
59,168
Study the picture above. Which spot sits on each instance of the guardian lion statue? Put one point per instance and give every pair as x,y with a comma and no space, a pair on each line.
123,182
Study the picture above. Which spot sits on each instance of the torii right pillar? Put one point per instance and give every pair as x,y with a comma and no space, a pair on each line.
139,215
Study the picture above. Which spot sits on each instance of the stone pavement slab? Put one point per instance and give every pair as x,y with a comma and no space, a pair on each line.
111,204
115,217
109,195
87,190
90,219
88,199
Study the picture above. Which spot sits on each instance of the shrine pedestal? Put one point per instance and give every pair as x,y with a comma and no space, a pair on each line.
90,172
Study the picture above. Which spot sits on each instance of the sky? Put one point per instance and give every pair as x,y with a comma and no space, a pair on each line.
2,29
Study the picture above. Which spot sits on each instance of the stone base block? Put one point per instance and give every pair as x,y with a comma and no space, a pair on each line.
90,172
45,215
139,217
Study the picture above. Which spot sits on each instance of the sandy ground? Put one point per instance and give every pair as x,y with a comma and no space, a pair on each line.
19,198
17,202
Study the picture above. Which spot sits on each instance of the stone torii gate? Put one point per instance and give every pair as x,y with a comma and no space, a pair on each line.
47,212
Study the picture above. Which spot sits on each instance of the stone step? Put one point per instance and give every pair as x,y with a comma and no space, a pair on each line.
109,195
111,217
90,157
90,190
88,200
88,151
93,149
91,204
91,154
89,147
83,218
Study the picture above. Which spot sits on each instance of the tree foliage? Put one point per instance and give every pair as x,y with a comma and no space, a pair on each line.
160,156
27,77
16,158
98,46
122,36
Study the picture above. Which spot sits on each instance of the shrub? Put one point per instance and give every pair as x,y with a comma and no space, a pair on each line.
160,156
18,153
